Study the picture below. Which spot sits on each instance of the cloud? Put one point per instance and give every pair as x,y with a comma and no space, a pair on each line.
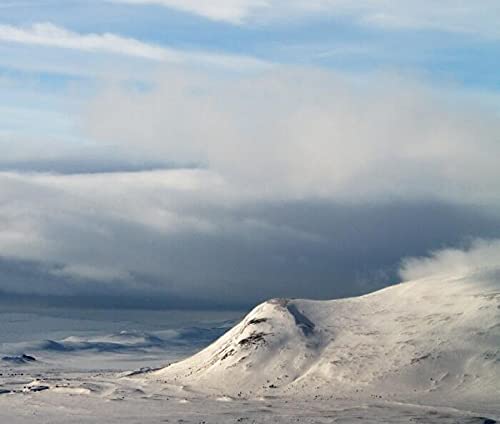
478,18
47,34
480,260
291,134
308,184
133,228
449,16
233,11
50,35
188,234
91,272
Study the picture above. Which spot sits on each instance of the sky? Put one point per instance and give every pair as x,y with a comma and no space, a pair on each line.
213,154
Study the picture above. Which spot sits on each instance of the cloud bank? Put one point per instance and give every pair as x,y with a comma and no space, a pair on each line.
304,184
187,235
293,134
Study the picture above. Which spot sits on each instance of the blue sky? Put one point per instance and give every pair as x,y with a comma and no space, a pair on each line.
247,148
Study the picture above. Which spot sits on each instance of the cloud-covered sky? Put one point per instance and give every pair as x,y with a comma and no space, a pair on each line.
213,154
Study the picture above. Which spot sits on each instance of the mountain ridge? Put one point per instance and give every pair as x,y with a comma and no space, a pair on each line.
438,335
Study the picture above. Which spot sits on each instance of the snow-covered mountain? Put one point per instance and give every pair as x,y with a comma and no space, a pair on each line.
430,338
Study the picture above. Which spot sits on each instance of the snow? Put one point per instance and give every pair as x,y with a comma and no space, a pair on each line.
423,351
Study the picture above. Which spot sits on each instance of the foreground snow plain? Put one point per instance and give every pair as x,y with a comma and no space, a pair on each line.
425,351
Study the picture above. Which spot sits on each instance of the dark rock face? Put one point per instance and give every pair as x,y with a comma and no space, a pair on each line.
304,323
22,359
28,358
254,339
36,389
256,321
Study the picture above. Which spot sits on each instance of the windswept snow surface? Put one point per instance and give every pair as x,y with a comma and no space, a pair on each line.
425,351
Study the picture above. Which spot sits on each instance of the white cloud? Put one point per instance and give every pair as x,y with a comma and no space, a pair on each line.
480,17
47,34
479,261
233,11
50,35
303,133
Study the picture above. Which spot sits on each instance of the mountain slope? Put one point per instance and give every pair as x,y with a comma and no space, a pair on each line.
427,337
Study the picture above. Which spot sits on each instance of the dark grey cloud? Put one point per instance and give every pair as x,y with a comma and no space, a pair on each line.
350,251
73,166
